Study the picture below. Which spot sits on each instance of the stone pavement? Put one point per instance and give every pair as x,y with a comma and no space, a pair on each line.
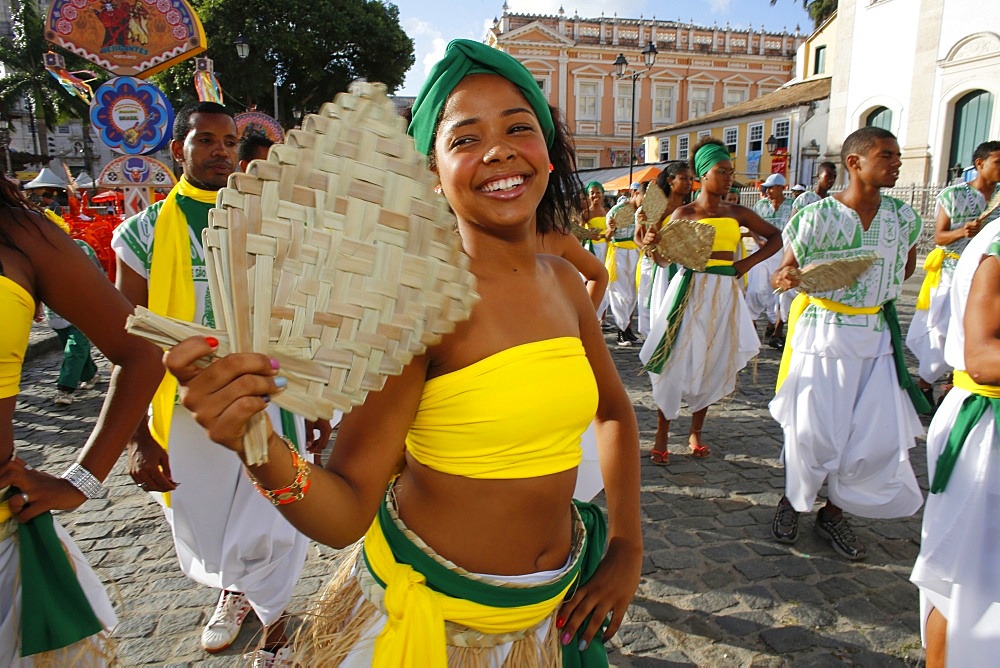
716,589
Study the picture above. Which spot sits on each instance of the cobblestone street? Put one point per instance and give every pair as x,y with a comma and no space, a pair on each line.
716,589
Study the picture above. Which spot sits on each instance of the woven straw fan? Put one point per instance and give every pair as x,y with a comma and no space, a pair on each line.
624,215
992,207
686,242
835,274
654,204
335,257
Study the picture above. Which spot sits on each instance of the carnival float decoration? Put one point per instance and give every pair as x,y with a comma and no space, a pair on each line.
127,37
254,122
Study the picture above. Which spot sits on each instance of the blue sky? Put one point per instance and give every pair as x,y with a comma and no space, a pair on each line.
433,23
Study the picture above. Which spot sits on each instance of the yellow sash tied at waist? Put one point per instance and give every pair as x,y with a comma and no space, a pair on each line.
798,306
414,633
609,259
932,278
962,380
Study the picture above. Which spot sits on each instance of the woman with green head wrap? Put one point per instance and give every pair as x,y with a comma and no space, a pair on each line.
701,334
483,430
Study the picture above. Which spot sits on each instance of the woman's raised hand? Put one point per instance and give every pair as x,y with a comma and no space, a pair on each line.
227,393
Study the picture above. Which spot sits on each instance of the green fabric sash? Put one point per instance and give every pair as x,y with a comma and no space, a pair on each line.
449,583
288,427
55,612
596,654
662,352
917,397
973,408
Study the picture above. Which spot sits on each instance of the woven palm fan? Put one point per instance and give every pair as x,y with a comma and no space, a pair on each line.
335,257
624,215
992,208
686,242
655,204
835,274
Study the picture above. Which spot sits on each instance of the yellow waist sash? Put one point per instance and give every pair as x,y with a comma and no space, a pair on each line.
610,262
962,380
798,306
414,633
932,267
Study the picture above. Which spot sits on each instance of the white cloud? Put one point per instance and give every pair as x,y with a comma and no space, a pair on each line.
435,54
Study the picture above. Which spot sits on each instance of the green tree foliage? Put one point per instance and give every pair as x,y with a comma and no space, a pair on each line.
313,48
26,78
819,10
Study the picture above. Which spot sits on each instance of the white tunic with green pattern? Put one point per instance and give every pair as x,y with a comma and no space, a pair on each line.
846,420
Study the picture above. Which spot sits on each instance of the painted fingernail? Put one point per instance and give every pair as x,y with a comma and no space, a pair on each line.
275,364
212,341
266,398
582,646
560,622
280,381
566,637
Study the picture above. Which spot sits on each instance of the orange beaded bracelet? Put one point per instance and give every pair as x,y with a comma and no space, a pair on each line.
294,492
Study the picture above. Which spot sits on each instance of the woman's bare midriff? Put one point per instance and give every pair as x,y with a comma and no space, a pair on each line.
495,527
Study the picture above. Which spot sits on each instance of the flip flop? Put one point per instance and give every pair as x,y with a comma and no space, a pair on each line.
700,451
659,457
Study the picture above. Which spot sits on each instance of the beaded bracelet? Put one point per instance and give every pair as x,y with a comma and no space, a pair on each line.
294,492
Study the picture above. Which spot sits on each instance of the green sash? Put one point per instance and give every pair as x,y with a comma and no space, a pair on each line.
973,408
55,612
662,352
450,583
917,397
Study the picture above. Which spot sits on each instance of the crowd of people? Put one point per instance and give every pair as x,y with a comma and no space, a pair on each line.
414,479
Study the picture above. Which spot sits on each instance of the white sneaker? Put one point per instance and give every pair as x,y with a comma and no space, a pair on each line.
224,626
92,383
264,659
63,398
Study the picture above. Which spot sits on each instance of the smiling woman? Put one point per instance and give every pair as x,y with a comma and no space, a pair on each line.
482,431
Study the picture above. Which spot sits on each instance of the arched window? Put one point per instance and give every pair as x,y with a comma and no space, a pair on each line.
879,117
971,126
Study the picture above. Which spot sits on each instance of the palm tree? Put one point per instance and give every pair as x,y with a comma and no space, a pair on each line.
25,77
819,10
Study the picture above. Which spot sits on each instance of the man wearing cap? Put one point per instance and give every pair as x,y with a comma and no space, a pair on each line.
621,262
776,210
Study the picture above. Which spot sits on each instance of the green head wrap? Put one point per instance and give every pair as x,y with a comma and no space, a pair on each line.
708,156
594,184
461,58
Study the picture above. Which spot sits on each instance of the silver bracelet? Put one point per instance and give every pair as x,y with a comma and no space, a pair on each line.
84,480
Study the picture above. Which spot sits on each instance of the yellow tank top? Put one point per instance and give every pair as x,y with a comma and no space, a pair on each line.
598,223
17,310
516,414
727,238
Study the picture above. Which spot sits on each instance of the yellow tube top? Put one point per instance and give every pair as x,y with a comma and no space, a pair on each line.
727,237
516,414
17,310
598,223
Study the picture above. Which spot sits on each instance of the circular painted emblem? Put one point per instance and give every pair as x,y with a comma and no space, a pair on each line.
138,170
132,116
261,124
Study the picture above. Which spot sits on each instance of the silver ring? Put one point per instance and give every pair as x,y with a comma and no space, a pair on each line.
24,496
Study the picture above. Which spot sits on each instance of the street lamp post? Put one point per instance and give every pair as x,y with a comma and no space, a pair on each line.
621,67
5,129
243,50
